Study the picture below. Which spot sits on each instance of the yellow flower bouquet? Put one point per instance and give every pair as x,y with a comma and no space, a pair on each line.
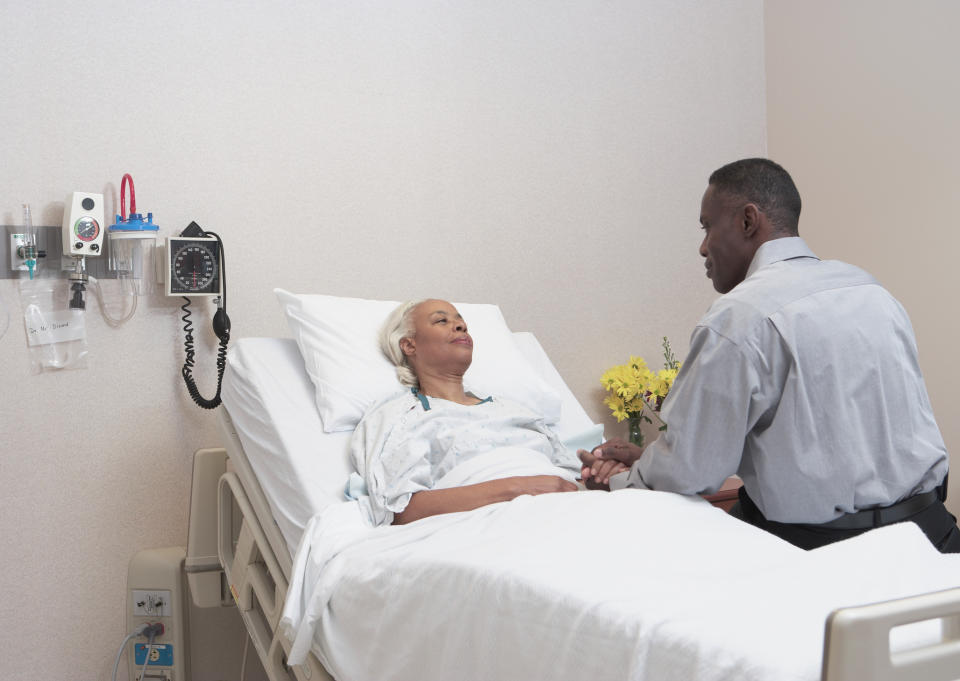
635,390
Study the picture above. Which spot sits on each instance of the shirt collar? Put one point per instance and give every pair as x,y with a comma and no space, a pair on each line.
425,403
775,250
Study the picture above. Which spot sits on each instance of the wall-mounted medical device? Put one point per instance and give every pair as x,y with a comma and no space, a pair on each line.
82,238
133,243
24,249
83,224
195,267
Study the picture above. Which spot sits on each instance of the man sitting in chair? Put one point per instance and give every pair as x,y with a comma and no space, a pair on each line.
803,379
418,451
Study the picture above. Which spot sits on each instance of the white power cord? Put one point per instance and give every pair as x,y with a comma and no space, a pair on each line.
136,632
146,655
123,646
147,629
95,283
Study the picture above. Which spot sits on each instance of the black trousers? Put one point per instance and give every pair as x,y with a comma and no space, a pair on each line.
935,521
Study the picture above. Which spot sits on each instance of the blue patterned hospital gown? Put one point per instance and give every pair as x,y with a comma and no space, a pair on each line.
409,442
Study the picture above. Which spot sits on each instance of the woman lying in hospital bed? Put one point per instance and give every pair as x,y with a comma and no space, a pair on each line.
439,449
552,587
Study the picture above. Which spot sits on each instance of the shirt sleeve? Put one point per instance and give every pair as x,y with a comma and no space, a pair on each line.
709,411
406,471
559,454
392,459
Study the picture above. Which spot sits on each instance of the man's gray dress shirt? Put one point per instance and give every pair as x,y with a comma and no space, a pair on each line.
804,381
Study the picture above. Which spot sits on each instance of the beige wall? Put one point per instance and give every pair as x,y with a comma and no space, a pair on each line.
863,108
545,156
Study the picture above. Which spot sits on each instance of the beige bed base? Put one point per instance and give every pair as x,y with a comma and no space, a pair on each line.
236,554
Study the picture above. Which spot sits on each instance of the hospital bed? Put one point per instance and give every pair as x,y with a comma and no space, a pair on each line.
526,590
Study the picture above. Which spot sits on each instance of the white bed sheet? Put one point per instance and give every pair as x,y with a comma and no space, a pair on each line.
590,585
302,469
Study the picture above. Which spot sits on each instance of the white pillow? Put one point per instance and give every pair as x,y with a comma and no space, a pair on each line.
339,340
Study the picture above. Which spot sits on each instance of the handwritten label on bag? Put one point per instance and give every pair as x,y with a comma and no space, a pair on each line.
56,326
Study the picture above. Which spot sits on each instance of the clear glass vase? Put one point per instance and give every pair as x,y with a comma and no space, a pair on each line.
634,433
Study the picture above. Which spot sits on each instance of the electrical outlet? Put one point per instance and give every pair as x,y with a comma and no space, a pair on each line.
151,603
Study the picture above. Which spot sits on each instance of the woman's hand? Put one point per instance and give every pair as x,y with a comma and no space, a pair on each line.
454,499
538,484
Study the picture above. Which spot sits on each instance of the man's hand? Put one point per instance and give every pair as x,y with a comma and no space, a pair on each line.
618,450
596,472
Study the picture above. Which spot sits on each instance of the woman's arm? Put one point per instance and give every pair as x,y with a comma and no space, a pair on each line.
436,501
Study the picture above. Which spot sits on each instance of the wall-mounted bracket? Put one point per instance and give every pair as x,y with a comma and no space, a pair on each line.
49,240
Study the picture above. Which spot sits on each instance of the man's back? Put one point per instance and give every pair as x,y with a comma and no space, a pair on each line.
839,413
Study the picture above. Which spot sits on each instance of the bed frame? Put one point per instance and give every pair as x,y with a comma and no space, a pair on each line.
851,632
236,555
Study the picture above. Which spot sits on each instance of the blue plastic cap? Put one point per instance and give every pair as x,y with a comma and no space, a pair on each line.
135,223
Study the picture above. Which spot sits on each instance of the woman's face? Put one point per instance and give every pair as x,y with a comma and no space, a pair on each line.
440,342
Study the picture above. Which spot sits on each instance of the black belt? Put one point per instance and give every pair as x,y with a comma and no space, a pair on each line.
877,517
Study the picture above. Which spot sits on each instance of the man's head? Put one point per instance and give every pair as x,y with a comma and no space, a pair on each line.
747,203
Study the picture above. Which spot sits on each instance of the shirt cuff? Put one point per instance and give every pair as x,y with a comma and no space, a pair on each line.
619,481
629,479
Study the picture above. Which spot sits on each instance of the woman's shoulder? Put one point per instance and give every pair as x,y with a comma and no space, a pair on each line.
392,405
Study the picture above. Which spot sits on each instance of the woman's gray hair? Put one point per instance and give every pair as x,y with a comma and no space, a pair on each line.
399,325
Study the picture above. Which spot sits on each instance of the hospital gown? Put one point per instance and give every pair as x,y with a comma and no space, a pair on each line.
411,443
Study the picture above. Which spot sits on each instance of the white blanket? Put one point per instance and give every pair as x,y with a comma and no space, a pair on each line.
585,585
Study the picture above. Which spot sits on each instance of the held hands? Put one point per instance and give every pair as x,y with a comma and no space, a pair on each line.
612,457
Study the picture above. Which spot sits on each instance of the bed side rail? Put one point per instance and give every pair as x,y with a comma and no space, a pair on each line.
857,641
256,582
202,565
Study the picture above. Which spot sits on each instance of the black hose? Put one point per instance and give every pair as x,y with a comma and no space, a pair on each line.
187,370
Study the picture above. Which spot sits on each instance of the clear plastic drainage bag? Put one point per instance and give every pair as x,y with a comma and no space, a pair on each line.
56,334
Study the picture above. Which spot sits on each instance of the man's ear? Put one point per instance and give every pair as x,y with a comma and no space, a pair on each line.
407,346
751,220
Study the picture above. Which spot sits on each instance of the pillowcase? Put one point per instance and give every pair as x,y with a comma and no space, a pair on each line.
339,340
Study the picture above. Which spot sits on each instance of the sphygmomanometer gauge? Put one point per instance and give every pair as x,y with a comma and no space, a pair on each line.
194,268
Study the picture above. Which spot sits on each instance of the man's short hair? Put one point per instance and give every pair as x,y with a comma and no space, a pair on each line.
765,183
